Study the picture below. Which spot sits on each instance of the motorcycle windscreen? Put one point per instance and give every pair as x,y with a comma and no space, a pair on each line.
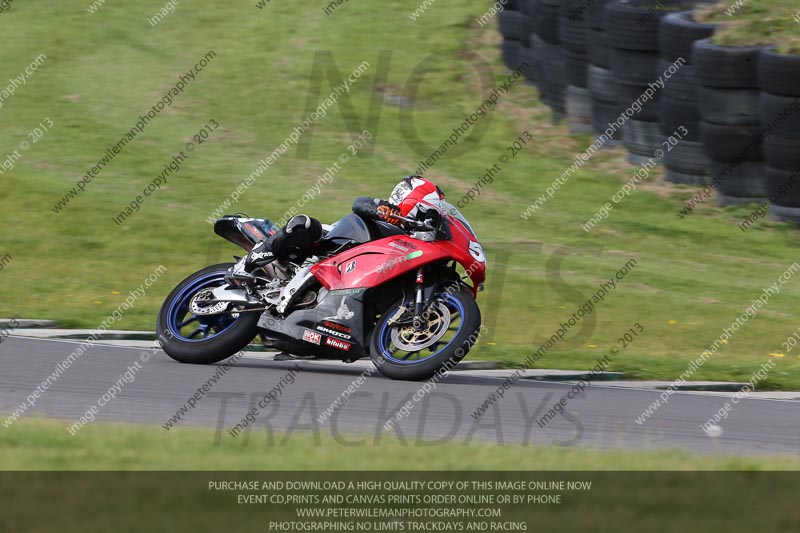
349,228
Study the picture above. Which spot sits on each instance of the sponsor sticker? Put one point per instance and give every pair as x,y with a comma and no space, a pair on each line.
346,292
332,332
312,336
336,343
334,325
406,244
397,246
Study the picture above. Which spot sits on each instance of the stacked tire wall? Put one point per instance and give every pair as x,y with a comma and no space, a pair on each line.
552,75
515,27
603,86
679,111
573,35
779,110
731,127
735,111
632,30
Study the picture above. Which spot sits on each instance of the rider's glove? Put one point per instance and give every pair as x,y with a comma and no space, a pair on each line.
389,213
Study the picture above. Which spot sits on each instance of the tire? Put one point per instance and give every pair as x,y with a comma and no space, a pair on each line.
783,187
595,14
545,24
687,157
515,5
677,32
780,112
513,54
553,83
598,49
778,73
602,84
642,138
782,153
784,214
723,66
579,110
634,66
460,300
234,332
575,11
731,143
576,67
650,110
604,113
728,106
742,183
528,55
682,85
537,44
633,24
514,26
572,34
679,115
685,178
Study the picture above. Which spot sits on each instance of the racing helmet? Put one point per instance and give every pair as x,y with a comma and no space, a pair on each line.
415,195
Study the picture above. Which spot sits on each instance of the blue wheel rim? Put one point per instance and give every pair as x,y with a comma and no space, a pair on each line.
385,341
186,326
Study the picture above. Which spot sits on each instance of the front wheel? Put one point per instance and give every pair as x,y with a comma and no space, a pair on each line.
202,339
452,326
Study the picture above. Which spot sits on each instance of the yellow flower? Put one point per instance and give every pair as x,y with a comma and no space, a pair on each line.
776,354
672,322
114,292
592,345
98,302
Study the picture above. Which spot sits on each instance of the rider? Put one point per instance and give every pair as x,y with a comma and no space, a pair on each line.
412,196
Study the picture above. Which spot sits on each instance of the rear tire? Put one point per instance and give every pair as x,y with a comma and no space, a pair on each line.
460,300
228,334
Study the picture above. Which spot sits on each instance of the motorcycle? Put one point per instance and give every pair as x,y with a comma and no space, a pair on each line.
366,289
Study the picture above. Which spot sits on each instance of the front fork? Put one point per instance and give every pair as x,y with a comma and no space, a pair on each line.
419,286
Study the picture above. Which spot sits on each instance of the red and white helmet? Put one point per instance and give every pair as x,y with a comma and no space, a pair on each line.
415,194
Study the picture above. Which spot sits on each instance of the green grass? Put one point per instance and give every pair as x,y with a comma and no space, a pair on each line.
760,22
693,278
39,444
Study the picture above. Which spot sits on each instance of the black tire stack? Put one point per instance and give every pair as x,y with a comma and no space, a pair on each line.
552,74
730,129
603,85
779,107
632,28
573,35
679,112
529,52
515,27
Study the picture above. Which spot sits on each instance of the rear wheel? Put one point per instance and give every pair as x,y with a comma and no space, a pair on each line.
451,327
188,336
